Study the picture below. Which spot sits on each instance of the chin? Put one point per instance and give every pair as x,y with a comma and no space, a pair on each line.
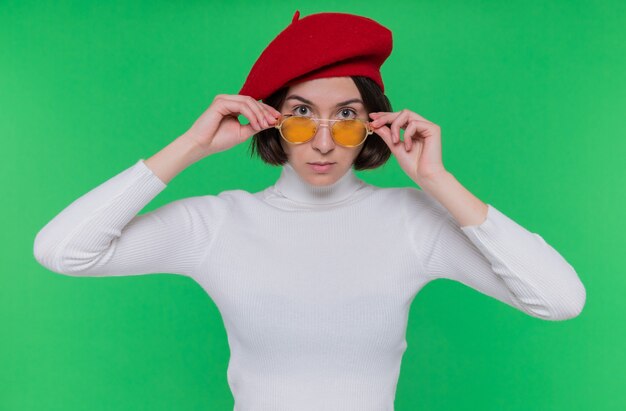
322,179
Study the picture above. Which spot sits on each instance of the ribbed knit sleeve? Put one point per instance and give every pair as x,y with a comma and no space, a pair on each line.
502,259
101,233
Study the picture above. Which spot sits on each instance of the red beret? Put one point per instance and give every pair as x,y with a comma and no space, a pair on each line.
320,45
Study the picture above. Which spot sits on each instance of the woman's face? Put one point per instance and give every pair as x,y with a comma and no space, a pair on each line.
324,96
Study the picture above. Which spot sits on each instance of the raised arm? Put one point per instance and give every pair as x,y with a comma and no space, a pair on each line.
101,233
457,236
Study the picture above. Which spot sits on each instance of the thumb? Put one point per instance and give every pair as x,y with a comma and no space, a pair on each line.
246,131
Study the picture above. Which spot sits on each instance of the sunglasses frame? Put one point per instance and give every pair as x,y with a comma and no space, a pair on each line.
369,130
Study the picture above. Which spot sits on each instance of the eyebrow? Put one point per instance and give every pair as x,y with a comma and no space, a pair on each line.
343,103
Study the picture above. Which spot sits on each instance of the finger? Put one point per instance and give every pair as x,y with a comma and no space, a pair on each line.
425,128
245,105
272,110
410,132
268,116
246,132
395,125
385,116
256,108
258,111
252,116
382,118
245,109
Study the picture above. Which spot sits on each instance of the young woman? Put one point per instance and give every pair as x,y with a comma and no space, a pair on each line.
313,276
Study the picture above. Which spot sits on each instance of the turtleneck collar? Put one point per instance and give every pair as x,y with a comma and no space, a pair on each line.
292,187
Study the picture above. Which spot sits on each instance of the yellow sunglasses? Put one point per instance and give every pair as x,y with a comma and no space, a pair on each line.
299,129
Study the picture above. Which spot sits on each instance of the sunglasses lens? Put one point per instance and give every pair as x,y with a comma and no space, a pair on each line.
349,133
298,129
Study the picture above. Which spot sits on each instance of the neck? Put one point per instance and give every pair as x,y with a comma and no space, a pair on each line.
293,187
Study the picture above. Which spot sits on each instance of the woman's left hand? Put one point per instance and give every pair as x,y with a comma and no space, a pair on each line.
419,154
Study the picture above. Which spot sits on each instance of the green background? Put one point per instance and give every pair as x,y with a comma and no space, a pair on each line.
531,100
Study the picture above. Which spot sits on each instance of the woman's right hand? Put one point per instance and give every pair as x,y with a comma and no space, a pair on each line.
218,128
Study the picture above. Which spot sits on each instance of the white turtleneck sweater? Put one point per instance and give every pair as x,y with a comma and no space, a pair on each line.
314,284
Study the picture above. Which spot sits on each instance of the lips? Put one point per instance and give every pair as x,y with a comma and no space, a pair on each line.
320,167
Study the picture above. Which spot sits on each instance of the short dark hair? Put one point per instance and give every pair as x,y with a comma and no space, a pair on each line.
375,152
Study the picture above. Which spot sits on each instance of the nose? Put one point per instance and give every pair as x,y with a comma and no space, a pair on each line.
323,140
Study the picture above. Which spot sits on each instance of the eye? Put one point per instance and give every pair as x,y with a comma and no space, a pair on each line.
349,110
302,110
300,113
